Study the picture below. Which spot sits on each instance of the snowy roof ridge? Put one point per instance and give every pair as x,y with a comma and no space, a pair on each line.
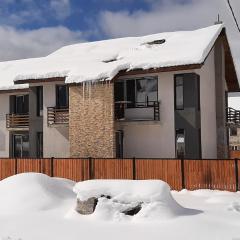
105,59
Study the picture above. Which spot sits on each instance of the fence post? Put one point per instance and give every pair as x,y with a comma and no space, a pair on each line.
236,173
182,173
134,168
90,168
16,166
51,167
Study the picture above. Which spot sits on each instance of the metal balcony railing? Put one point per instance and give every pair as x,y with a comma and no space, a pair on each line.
57,116
122,108
17,120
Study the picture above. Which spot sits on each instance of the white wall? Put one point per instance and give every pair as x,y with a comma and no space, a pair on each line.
157,139
154,139
4,133
55,139
208,108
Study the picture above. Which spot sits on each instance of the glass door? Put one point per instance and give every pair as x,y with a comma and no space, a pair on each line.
20,145
22,104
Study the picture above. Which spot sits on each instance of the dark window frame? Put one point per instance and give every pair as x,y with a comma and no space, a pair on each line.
175,91
176,134
39,101
39,144
58,106
13,153
119,151
135,79
15,104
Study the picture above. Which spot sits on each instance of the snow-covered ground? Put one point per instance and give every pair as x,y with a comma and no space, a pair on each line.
37,207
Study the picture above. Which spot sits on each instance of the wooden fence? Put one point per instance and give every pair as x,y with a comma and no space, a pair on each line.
178,173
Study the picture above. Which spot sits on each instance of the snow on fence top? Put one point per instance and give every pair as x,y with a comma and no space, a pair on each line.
102,60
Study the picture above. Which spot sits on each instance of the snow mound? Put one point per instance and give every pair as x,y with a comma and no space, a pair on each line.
115,197
33,192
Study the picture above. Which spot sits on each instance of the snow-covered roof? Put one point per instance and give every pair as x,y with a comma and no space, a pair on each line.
100,60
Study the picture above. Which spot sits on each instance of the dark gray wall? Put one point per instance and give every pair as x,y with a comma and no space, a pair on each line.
35,122
189,118
222,134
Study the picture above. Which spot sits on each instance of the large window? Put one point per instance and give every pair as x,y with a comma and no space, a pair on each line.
137,92
179,88
39,101
62,96
19,104
20,145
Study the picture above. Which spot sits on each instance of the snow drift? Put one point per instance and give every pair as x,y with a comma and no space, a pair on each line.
33,192
118,196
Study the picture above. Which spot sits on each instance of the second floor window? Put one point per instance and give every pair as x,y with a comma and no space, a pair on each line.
62,96
39,101
179,87
19,104
137,92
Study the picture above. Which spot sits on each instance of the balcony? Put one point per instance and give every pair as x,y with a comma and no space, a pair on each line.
57,116
233,117
138,111
17,121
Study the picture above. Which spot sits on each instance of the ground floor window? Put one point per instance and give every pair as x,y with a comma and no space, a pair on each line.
39,144
20,145
233,131
119,144
180,143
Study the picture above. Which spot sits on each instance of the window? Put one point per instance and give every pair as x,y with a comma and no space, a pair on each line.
131,93
119,144
39,144
179,88
233,131
39,101
146,90
62,96
20,145
180,143
137,92
19,104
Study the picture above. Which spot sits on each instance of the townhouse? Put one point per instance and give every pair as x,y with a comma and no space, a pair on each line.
157,96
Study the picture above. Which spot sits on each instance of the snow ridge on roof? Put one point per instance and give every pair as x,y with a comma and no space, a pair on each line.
100,60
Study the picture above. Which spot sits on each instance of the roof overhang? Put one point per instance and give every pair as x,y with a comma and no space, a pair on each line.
230,70
19,90
40,80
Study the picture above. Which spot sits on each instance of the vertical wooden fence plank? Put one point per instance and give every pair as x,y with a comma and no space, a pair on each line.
7,168
28,165
73,169
168,170
113,168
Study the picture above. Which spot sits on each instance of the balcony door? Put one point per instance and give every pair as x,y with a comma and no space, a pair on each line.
62,96
20,145
19,104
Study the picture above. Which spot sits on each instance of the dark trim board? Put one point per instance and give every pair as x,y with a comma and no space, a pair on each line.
41,80
23,90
